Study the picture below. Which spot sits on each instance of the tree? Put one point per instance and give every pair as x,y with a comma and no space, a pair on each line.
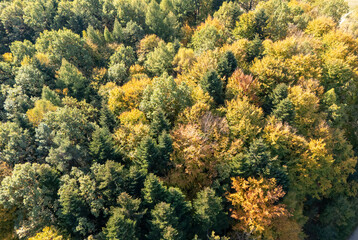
160,59
47,233
117,31
15,144
254,204
20,50
71,78
209,213
167,95
163,223
147,154
162,23
244,118
158,124
32,188
102,145
37,113
123,223
132,33
212,84
227,65
64,44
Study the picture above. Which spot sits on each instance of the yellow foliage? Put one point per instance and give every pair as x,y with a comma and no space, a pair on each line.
132,117
128,96
184,59
254,204
245,119
7,57
36,114
130,133
43,58
48,233
320,26
306,105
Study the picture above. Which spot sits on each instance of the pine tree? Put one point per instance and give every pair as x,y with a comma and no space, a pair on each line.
227,65
147,154
212,84
159,123
107,35
165,145
102,146
163,224
117,32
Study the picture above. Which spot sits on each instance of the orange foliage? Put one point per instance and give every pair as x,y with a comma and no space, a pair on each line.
254,204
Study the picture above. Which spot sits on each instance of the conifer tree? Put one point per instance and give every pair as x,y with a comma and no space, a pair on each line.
227,65
159,123
117,32
212,84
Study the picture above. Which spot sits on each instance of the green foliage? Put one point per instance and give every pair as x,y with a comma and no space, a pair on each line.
227,65
212,84
162,23
102,145
15,144
123,223
209,215
69,77
64,44
30,79
166,95
32,188
160,59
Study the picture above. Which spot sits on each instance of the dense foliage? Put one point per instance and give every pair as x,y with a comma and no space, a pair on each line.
178,119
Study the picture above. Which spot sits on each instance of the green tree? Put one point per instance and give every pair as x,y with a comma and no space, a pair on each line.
71,78
30,79
158,124
64,44
209,212
212,84
163,224
165,94
15,144
32,189
227,65
102,145
147,154
20,50
162,23
160,60
123,223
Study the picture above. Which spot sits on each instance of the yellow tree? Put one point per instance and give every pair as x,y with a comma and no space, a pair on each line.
245,119
37,113
48,233
254,205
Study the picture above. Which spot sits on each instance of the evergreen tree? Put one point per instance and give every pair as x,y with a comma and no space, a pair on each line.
163,224
212,84
102,146
165,149
69,77
209,212
108,35
117,32
227,65
147,154
124,219
158,124
284,111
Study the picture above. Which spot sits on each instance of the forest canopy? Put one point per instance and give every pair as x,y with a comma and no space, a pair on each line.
178,119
